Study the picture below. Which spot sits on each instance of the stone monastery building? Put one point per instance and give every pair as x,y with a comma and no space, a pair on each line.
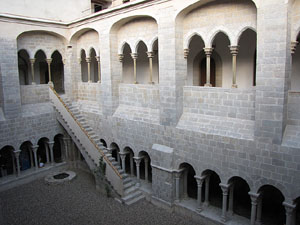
193,104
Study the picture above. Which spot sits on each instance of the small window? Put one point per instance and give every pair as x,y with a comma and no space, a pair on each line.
97,7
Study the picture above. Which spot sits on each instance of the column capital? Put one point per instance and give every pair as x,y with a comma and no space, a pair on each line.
35,147
49,61
88,59
121,57
32,61
51,142
254,197
289,208
208,51
150,54
224,188
134,55
137,160
200,180
234,50
17,152
97,58
186,52
294,46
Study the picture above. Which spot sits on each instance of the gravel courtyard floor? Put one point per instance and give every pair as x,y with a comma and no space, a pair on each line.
76,203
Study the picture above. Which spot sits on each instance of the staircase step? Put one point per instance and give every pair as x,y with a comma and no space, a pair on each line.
134,200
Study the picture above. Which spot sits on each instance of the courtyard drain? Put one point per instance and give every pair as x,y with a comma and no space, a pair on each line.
60,177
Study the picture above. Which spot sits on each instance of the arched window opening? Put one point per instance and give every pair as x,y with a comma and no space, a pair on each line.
223,71
142,64
297,211
43,154
239,202
193,61
26,156
94,66
115,152
24,68
246,60
57,72
84,67
145,167
7,161
127,65
211,190
212,72
155,62
273,211
188,183
58,148
295,77
130,165
41,68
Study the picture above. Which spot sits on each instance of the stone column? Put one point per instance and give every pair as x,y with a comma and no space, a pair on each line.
51,143
88,60
47,151
224,188
200,181
137,162
289,210
254,197
177,183
17,154
49,70
146,161
34,149
230,204
123,157
99,69
234,51
32,61
259,210
206,200
131,164
31,156
118,157
14,163
208,52
150,56
134,57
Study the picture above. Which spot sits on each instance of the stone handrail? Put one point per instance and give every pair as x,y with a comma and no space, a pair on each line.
86,133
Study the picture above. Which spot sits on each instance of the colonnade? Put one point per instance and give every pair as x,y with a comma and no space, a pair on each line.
88,60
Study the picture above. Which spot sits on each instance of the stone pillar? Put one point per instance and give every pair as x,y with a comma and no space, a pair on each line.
259,210
31,157
14,163
150,56
34,149
137,162
234,51
88,60
224,188
51,143
123,157
199,192
134,57
208,52
17,154
118,157
177,184
49,70
131,164
32,61
206,199
99,68
230,204
254,197
47,151
289,210
146,161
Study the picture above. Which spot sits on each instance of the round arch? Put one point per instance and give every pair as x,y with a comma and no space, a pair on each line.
188,183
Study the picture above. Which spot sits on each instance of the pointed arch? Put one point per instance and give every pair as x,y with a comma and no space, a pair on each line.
217,32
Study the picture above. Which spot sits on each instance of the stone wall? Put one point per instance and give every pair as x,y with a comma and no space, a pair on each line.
32,94
89,91
294,108
233,103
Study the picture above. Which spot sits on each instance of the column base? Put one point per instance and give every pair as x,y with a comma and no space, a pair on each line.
33,83
51,83
207,85
199,210
89,81
223,219
206,204
99,82
234,86
135,82
151,82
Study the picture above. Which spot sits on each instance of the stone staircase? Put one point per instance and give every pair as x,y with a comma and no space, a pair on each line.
88,142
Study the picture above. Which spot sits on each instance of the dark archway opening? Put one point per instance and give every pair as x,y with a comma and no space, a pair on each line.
115,152
215,191
7,161
42,153
145,167
212,72
57,72
26,156
41,68
103,142
189,183
57,148
130,166
273,212
23,66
